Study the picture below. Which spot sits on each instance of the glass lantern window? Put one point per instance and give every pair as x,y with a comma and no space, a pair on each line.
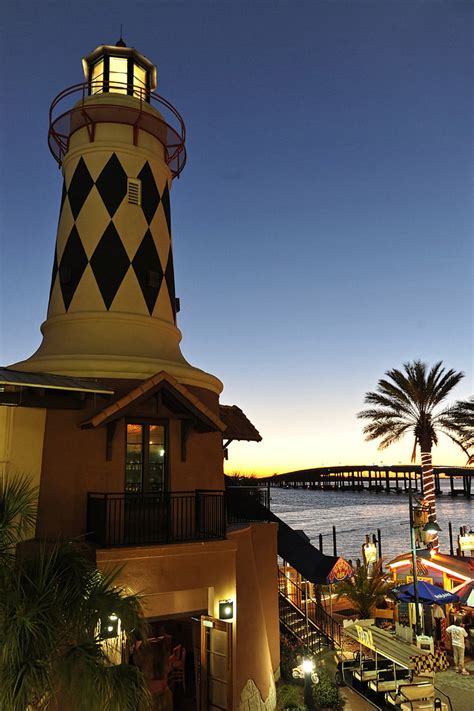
97,77
139,81
118,75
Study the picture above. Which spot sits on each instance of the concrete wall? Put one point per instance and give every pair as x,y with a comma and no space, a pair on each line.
257,636
21,441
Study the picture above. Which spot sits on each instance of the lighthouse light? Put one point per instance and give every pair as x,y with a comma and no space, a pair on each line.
139,81
97,77
118,83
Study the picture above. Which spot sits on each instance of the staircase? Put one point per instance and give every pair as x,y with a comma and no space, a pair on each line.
305,619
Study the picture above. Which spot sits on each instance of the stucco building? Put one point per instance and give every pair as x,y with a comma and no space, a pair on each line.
123,436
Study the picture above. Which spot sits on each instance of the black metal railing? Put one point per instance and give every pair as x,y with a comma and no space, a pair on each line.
247,503
295,593
155,518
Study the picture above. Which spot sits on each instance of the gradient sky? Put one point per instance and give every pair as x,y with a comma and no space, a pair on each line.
323,225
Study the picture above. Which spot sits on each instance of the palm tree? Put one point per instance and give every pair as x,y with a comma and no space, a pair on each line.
366,589
409,400
55,606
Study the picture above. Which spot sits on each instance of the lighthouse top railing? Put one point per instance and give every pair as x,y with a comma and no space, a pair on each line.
75,108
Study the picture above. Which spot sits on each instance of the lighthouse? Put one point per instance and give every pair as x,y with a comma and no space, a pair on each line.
123,438
112,304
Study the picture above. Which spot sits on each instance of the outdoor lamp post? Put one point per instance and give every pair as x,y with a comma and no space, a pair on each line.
430,527
308,667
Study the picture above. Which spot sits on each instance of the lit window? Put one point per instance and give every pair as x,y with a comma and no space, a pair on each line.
145,464
97,77
118,75
139,81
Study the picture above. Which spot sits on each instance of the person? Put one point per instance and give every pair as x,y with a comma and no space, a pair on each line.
458,635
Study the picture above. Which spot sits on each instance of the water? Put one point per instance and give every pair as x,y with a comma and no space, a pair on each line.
356,513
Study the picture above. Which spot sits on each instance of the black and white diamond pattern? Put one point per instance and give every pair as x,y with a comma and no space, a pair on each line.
112,185
169,277
148,270
72,266
109,264
79,188
150,194
115,243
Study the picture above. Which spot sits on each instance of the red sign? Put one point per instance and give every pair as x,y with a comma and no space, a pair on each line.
340,571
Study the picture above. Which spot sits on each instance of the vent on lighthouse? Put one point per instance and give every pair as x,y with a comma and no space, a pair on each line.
134,191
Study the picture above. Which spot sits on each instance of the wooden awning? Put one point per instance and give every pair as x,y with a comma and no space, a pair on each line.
238,426
177,397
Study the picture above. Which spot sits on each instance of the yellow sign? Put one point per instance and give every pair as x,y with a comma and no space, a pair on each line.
466,543
364,636
420,578
369,551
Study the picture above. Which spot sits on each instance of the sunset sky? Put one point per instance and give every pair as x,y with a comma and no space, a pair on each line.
323,225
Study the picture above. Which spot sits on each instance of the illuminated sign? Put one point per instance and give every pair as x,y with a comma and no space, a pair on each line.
340,571
364,636
369,551
466,543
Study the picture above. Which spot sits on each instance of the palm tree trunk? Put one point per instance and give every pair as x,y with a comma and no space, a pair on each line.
429,488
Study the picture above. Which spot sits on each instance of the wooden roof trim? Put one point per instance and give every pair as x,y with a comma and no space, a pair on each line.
145,388
238,425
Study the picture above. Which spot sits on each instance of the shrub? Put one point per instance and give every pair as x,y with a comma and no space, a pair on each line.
291,654
326,694
289,696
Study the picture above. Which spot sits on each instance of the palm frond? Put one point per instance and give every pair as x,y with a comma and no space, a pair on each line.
406,400
18,503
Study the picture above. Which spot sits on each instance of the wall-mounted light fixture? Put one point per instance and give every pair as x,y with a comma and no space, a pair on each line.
226,609
110,627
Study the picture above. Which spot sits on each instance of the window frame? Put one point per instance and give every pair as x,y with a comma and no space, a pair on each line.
144,92
146,423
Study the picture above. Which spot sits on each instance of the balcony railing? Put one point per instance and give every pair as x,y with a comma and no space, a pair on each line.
155,518
247,503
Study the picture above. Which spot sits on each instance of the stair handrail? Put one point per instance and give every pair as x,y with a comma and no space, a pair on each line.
322,620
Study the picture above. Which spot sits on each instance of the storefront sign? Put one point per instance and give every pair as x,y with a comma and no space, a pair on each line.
364,636
369,551
466,543
409,579
340,571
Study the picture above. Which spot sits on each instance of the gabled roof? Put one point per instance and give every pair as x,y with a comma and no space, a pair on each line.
238,426
47,381
176,393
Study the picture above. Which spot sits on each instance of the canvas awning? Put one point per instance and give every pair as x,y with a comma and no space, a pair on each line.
384,643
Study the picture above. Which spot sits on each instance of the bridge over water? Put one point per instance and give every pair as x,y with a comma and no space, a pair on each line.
370,477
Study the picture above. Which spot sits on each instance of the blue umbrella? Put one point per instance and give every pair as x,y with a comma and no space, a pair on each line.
427,593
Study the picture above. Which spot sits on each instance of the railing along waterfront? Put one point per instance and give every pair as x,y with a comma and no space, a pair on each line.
155,518
291,591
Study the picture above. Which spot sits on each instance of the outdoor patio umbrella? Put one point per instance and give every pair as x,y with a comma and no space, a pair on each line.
427,594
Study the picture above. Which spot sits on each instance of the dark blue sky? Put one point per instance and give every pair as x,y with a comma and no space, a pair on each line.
323,225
